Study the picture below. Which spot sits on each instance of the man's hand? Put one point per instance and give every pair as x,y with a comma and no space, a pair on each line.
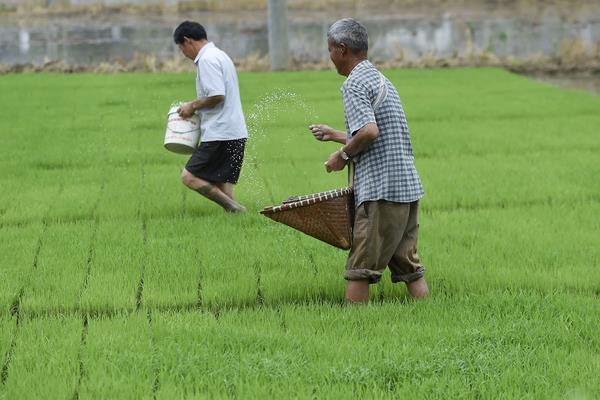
186,110
335,162
321,132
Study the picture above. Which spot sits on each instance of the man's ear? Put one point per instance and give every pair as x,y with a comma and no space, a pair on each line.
343,49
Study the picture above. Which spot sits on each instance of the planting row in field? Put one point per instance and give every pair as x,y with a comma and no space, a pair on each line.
435,348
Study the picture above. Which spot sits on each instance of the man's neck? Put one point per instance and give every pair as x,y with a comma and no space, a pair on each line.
352,63
199,44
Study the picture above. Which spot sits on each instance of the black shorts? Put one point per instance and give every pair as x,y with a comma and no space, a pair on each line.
218,161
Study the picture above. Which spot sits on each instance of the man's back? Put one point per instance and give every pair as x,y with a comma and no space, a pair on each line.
216,76
385,171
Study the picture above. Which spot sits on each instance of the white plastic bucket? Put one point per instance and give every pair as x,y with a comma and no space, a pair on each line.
183,134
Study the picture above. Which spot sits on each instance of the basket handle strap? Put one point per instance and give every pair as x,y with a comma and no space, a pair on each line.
381,96
383,92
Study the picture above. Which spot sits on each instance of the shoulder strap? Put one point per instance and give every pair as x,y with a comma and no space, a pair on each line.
383,91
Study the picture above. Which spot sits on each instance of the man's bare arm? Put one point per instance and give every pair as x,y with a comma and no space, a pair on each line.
188,109
326,133
361,139
359,143
207,102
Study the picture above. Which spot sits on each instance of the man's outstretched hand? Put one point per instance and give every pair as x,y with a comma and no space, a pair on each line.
325,133
322,132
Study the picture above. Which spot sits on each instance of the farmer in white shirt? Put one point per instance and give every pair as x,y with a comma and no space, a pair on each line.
215,166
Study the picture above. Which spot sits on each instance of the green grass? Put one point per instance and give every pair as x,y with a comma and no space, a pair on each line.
44,363
117,282
118,350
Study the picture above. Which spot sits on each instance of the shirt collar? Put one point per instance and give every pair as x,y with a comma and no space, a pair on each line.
361,65
203,50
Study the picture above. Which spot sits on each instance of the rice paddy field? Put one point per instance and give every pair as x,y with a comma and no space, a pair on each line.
117,282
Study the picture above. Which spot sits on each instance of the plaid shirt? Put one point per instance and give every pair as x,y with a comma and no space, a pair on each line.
385,170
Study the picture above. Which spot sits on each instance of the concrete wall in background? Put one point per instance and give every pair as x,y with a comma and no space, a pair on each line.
46,3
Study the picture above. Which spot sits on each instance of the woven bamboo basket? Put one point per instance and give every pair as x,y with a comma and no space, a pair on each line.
327,216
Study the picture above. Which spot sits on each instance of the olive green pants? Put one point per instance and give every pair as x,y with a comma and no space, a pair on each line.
385,235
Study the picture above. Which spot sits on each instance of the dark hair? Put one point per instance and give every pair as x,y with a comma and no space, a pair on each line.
189,29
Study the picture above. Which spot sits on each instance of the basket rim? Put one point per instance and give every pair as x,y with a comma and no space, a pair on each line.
307,200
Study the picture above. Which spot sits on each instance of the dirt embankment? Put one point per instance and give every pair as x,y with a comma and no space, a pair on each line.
573,58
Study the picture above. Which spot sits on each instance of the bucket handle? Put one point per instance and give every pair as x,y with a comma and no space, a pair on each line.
173,130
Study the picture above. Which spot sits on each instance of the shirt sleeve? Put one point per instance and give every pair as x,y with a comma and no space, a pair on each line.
211,77
357,107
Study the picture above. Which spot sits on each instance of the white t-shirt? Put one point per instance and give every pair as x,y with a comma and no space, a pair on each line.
216,76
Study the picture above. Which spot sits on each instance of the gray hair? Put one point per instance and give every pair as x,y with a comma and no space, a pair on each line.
350,32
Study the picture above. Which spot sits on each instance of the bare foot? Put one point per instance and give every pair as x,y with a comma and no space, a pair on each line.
418,289
236,209
357,292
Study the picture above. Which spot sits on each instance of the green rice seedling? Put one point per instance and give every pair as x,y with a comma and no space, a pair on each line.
279,277
162,192
316,87
60,272
245,266
185,357
518,180
18,253
482,94
117,358
502,137
330,266
31,206
383,350
121,193
79,201
396,349
174,263
46,351
310,176
228,277
115,276
62,121
540,257
240,306
8,195
7,332
304,270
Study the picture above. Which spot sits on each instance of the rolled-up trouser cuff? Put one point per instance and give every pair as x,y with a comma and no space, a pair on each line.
411,277
362,274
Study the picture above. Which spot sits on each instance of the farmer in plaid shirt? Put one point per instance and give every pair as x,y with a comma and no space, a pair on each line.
387,187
